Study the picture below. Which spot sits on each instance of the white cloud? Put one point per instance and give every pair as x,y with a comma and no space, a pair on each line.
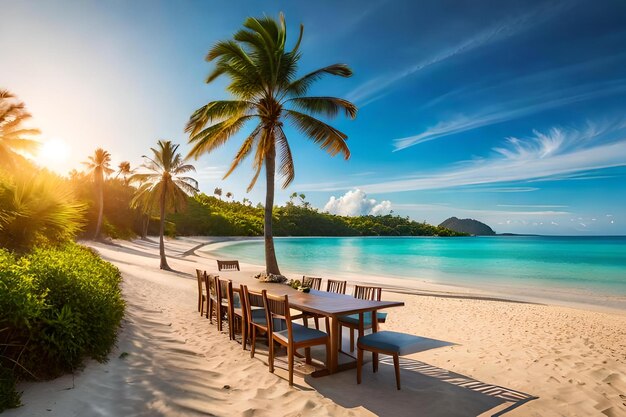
512,110
356,203
548,155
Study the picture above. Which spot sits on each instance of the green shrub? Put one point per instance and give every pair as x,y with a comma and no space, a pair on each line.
58,306
9,397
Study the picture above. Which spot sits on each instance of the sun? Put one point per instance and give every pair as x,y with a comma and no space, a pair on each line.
53,153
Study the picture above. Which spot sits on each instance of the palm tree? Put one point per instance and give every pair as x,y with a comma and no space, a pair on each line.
124,170
218,192
266,90
99,166
164,183
229,195
13,135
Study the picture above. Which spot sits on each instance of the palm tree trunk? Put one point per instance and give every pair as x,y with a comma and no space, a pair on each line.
100,208
145,223
164,264
271,265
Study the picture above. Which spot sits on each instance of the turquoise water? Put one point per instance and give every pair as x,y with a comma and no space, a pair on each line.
596,264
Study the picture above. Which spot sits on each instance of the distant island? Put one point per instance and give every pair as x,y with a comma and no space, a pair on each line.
469,226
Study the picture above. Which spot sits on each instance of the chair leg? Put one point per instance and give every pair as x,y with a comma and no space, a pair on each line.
244,333
351,339
271,357
327,353
359,364
253,342
396,365
307,355
305,320
290,358
375,361
209,312
219,317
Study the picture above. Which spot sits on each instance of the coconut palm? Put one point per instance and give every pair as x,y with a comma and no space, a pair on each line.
125,171
164,182
218,192
263,82
13,134
229,195
99,167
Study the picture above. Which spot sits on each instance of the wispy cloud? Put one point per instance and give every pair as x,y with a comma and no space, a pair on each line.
532,205
209,173
551,154
375,88
490,212
512,110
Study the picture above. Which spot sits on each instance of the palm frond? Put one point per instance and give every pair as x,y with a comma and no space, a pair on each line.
216,111
214,136
327,106
329,138
286,168
244,150
301,86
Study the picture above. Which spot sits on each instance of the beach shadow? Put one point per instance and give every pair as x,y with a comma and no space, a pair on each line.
426,390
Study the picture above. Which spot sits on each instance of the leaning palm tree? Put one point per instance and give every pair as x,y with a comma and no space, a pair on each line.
263,82
163,182
125,171
99,166
13,135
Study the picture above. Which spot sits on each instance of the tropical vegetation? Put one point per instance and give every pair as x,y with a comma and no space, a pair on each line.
15,137
266,91
99,168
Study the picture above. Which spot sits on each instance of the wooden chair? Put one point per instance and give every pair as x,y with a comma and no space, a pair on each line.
202,298
388,343
227,265
315,284
352,321
222,303
236,313
338,287
291,335
212,296
255,315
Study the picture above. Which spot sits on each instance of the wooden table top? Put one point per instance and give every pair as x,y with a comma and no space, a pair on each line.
319,302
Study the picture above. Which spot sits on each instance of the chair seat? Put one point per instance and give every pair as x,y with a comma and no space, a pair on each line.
393,342
258,317
300,333
367,318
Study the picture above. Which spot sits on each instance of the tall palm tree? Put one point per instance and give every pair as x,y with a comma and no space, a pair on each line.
229,195
164,182
263,82
125,171
218,192
99,166
13,134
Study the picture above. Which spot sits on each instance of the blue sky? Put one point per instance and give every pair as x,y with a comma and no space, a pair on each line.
513,113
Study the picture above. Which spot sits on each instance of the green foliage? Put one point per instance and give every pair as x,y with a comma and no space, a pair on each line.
209,216
59,306
9,397
37,208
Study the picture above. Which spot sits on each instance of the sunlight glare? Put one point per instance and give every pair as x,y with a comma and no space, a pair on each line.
53,151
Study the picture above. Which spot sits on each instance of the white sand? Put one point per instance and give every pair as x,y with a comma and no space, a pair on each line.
176,364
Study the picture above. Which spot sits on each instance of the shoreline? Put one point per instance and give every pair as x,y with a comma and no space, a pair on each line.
584,300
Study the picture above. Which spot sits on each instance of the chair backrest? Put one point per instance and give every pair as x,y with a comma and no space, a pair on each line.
277,307
224,286
211,286
252,299
200,275
312,282
338,287
227,265
367,293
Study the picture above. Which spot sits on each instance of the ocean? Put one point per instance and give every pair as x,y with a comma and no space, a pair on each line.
580,265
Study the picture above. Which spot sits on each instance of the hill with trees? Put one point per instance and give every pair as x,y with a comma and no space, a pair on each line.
468,226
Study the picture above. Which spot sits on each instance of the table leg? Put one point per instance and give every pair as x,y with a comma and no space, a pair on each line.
335,345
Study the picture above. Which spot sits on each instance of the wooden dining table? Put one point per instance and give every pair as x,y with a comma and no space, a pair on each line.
322,303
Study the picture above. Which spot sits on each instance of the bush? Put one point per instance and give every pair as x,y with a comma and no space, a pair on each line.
59,306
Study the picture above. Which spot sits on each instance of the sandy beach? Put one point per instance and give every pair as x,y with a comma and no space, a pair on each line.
522,359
